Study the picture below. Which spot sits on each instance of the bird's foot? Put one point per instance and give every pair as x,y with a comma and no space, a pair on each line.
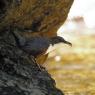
34,61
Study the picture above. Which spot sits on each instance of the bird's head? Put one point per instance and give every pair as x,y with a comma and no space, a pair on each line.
58,39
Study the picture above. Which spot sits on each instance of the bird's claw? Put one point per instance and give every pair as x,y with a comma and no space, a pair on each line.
34,60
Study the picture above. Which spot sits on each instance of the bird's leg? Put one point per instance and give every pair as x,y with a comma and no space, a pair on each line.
34,61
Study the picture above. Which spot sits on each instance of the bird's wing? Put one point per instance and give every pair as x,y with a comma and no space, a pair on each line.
37,43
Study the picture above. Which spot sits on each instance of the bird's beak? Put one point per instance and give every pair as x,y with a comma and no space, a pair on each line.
68,43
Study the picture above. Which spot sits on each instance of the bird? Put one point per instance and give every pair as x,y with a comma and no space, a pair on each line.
38,45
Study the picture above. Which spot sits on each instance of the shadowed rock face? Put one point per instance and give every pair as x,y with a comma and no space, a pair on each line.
4,6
